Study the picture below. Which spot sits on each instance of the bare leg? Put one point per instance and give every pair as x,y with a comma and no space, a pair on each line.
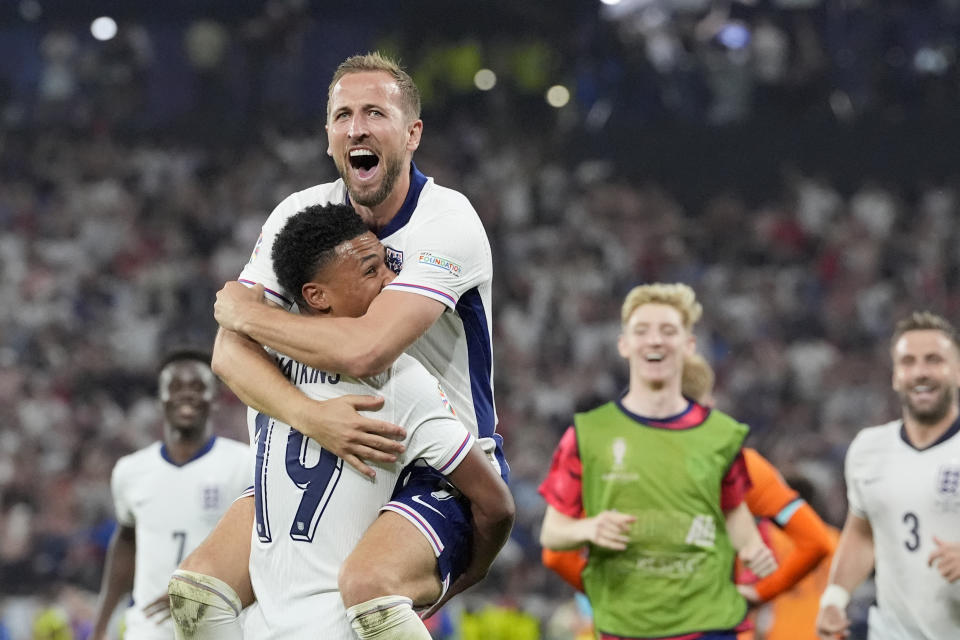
392,559
392,568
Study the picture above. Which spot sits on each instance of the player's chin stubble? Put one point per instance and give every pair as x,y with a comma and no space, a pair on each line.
392,168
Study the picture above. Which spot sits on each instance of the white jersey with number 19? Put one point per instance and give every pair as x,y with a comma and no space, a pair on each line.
438,247
909,496
312,509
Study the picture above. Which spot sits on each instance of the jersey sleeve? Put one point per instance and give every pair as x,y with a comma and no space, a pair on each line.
259,269
434,433
812,542
446,259
121,503
769,495
736,483
563,486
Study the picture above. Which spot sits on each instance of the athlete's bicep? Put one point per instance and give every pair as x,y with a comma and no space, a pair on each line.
395,320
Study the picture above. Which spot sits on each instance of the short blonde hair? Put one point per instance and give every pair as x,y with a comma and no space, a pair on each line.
925,321
376,61
679,296
698,378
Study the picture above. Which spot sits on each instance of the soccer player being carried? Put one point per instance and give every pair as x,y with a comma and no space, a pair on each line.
312,510
437,310
167,497
903,492
654,483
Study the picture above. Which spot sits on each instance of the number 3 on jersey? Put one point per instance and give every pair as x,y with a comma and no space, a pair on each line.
912,543
316,480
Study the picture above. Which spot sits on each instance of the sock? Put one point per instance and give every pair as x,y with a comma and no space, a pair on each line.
387,618
203,607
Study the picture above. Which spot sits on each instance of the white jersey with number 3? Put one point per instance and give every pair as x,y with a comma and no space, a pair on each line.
312,509
909,496
438,247
172,509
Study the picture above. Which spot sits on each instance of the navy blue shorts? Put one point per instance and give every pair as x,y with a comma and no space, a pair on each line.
430,503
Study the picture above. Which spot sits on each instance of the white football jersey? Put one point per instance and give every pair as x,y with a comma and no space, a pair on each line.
439,249
172,509
908,496
312,509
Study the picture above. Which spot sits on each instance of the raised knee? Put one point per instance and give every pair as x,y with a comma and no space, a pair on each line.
197,561
357,585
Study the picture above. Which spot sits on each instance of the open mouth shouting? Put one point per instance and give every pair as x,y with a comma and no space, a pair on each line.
365,163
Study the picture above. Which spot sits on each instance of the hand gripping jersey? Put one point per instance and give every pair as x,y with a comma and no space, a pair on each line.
439,249
172,508
312,509
908,496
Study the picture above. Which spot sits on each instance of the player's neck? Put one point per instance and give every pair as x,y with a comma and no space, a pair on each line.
379,216
922,435
183,444
654,402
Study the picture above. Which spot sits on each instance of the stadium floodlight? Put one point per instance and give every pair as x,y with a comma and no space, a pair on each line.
558,96
485,79
103,28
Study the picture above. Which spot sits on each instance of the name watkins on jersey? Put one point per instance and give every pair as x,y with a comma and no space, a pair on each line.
299,373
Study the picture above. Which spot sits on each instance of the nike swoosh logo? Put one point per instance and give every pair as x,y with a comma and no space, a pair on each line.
419,501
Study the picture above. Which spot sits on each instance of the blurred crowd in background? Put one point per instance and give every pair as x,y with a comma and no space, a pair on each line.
135,174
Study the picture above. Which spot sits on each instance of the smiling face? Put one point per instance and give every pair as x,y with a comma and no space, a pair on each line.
187,389
347,284
370,137
926,374
655,342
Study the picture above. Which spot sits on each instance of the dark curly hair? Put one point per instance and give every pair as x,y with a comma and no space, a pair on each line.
307,242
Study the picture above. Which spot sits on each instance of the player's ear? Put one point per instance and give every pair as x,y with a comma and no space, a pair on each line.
622,347
414,131
691,346
315,296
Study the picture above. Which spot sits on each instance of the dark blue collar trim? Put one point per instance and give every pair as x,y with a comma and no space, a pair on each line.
417,181
949,433
202,451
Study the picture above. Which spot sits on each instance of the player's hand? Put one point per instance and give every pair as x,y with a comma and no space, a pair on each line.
758,558
337,426
749,593
832,623
946,558
232,300
158,610
609,529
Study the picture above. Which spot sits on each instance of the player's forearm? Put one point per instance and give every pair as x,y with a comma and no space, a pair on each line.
491,530
741,528
561,532
854,559
811,543
332,344
117,578
253,376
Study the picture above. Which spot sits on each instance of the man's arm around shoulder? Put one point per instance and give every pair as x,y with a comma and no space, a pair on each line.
359,347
